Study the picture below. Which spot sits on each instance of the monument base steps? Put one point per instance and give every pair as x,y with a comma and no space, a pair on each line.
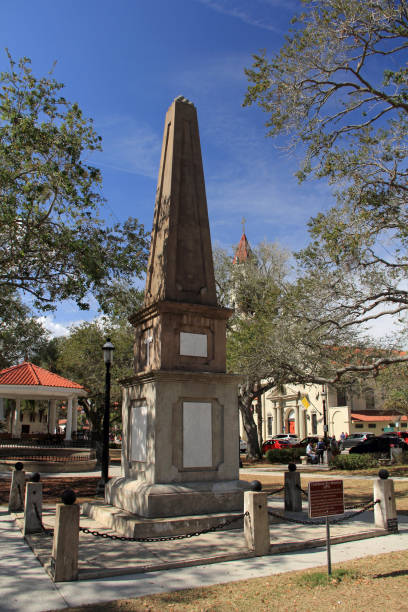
176,499
133,526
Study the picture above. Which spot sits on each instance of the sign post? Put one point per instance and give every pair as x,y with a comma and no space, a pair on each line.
326,499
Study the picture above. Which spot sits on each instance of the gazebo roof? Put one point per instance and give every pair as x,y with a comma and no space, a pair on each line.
27,378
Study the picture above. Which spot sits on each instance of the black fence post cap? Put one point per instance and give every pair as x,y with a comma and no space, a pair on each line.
35,477
292,467
68,497
383,474
255,485
19,466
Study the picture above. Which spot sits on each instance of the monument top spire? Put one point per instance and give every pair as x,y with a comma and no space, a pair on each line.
180,264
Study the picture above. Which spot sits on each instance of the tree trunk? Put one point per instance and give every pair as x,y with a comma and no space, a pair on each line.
253,450
259,422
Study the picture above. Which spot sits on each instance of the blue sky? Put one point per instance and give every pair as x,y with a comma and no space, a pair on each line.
124,61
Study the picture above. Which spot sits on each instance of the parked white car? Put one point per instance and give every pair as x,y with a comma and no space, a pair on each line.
291,438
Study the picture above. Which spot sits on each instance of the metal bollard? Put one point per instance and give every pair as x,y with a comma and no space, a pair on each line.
64,557
33,506
256,524
293,492
385,512
17,489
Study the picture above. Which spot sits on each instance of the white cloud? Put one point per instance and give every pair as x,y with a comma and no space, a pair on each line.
57,329
248,13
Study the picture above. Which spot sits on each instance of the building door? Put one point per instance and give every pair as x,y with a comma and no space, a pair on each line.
291,422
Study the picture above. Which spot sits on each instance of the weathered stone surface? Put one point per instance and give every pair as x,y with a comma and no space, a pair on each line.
386,510
167,500
256,525
33,508
64,557
17,491
180,264
293,493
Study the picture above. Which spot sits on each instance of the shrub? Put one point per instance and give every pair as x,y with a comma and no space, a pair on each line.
355,462
284,455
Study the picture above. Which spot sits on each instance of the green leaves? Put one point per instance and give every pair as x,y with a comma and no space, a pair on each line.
53,246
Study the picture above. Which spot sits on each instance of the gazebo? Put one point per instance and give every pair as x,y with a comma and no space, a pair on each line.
27,381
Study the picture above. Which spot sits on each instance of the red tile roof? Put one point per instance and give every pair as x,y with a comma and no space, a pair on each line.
243,250
376,416
29,374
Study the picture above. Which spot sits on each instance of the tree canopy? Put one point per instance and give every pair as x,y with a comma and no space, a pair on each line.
338,89
53,244
272,338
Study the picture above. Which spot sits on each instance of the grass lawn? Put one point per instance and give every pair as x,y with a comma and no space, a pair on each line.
370,584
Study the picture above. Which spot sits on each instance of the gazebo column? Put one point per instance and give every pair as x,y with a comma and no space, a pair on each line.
15,433
75,414
68,430
52,424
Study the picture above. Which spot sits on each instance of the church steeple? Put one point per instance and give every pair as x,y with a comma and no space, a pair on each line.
243,250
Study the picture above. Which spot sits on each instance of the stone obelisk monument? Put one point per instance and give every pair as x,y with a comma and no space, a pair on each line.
180,414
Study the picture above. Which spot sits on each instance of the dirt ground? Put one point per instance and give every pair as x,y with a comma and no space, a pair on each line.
375,583
355,490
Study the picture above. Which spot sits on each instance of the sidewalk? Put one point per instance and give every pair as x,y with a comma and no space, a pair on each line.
25,585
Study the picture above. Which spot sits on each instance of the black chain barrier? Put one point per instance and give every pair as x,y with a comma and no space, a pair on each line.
164,538
38,515
302,490
323,522
276,491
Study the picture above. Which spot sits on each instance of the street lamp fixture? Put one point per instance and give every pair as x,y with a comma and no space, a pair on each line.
108,349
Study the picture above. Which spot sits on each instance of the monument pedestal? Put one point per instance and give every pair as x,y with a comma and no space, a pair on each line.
180,451
168,500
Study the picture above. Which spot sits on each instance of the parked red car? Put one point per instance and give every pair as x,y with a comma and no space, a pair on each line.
273,443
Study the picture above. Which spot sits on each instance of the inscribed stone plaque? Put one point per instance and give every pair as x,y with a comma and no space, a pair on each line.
138,428
193,345
197,434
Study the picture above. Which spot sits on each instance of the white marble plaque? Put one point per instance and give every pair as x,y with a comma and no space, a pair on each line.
193,345
197,434
138,429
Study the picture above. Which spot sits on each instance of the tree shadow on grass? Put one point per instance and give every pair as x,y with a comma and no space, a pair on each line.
392,574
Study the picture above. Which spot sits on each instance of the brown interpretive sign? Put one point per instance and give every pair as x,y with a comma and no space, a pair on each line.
326,498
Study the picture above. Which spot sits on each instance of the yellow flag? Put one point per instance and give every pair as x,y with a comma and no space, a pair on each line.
305,402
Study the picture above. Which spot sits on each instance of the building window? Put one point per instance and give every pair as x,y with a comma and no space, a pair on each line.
25,429
341,397
372,425
369,399
269,426
403,424
314,423
21,415
359,425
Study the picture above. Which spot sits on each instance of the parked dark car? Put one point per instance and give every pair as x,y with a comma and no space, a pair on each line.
307,440
355,438
380,444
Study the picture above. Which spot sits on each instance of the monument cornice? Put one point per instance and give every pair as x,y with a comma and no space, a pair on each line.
167,306
179,376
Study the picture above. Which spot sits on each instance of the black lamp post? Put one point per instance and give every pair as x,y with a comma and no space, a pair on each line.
325,427
108,349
